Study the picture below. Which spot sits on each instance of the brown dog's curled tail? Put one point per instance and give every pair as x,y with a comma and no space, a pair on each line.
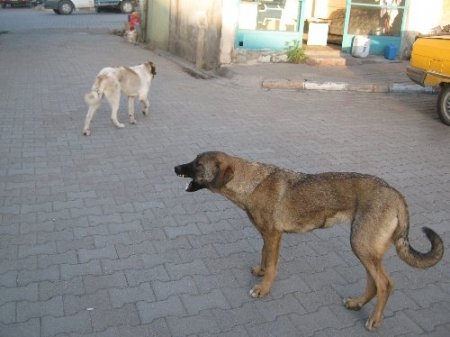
418,259
407,253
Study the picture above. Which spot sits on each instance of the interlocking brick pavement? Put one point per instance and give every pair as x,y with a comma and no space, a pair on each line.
98,237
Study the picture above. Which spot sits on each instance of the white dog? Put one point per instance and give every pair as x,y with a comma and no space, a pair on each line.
133,81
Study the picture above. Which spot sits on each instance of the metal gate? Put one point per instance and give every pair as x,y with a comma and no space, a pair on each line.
383,23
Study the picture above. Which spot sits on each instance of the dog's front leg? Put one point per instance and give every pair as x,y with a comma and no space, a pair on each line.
269,263
260,269
131,110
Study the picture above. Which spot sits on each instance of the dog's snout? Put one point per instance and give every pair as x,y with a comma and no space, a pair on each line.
184,170
177,169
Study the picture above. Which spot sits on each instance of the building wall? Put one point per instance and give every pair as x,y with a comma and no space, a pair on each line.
423,17
195,31
445,20
157,23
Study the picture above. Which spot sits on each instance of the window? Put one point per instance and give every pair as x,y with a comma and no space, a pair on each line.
380,17
269,15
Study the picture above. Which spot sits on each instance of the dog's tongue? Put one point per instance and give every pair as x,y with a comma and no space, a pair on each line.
190,187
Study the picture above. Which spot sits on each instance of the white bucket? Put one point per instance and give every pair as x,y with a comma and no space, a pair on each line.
361,46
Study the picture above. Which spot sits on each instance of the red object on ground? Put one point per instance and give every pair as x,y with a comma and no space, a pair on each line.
134,20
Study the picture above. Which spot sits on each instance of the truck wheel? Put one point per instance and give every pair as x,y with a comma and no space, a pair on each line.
56,11
443,104
65,7
126,7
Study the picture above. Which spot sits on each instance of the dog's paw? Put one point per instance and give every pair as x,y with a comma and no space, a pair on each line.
258,291
372,323
132,121
257,271
352,304
87,132
120,125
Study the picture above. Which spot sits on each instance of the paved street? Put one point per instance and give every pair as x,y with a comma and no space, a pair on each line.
98,237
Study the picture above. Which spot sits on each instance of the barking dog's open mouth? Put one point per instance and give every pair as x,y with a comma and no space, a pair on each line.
189,185
183,171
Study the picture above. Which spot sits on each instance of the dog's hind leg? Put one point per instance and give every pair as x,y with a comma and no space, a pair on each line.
384,287
145,104
113,97
369,293
370,239
131,118
90,114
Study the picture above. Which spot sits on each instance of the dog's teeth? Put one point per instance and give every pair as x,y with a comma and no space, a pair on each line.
187,185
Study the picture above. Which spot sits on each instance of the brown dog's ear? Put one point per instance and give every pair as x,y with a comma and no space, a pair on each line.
224,176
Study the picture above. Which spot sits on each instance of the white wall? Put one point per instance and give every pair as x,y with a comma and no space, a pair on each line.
424,15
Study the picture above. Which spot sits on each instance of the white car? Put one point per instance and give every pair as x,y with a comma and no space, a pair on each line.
67,6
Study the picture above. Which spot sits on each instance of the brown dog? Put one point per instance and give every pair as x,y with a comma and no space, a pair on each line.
278,200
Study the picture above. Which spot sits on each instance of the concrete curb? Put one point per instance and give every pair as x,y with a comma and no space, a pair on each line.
187,67
343,86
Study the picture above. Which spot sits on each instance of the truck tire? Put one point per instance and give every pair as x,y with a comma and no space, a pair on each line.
443,104
65,7
57,11
126,7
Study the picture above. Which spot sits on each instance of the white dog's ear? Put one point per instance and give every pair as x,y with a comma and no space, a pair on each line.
151,67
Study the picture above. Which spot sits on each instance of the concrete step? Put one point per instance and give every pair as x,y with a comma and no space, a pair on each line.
322,50
325,60
343,59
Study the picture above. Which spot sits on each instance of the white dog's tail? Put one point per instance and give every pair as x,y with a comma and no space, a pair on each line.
96,93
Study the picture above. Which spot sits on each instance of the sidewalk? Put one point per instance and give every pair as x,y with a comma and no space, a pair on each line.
321,71
374,74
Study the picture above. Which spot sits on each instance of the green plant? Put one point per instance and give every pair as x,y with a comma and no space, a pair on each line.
295,53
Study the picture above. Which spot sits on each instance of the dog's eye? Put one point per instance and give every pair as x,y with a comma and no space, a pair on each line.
200,167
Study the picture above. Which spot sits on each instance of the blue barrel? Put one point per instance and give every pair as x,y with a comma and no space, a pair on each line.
390,52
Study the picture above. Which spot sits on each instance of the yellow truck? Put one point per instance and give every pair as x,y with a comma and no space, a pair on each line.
430,66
